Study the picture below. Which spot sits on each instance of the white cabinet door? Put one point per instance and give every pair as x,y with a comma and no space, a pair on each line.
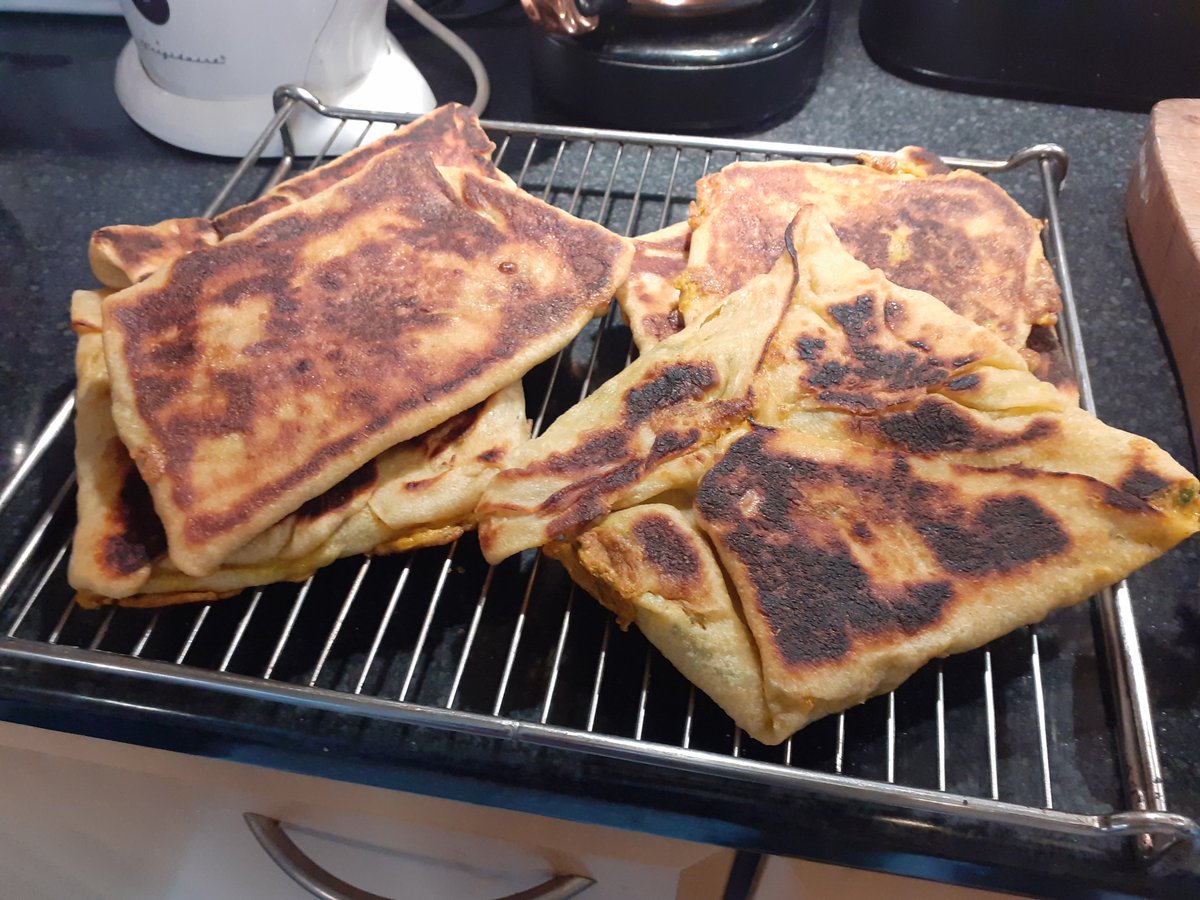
82,818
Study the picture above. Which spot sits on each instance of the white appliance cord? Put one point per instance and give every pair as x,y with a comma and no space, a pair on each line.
483,86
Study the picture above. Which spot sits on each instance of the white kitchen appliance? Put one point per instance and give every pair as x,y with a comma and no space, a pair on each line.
200,74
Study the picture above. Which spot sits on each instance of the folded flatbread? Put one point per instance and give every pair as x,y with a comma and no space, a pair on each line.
955,235
423,492
419,493
254,374
649,298
121,255
827,481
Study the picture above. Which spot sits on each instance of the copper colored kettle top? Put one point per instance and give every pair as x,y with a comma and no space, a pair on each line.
582,16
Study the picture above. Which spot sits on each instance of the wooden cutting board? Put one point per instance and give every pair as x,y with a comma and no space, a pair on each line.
1162,207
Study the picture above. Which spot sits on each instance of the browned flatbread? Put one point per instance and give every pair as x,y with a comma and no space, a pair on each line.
877,479
918,242
851,568
419,493
649,298
955,235
238,404
121,255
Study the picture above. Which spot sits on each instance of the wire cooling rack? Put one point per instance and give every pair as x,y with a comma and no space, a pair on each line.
437,638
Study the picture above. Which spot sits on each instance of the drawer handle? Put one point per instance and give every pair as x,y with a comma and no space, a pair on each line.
321,883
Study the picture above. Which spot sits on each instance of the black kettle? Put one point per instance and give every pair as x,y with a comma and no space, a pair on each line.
677,65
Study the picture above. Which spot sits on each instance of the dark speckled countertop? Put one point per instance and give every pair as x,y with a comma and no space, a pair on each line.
70,161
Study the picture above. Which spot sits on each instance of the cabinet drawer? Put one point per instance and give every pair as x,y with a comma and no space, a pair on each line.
86,818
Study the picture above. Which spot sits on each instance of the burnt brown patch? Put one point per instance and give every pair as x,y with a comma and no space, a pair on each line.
963,383
238,393
242,217
1006,533
956,236
662,325
668,551
937,425
923,159
138,538
1125,501
857,319
670,386
272,284
584,501
592,452
830,374
341,494
671,443
940,257
654,259
667,386
809,348
808,585
141,250
857,380
1143,483
434,442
